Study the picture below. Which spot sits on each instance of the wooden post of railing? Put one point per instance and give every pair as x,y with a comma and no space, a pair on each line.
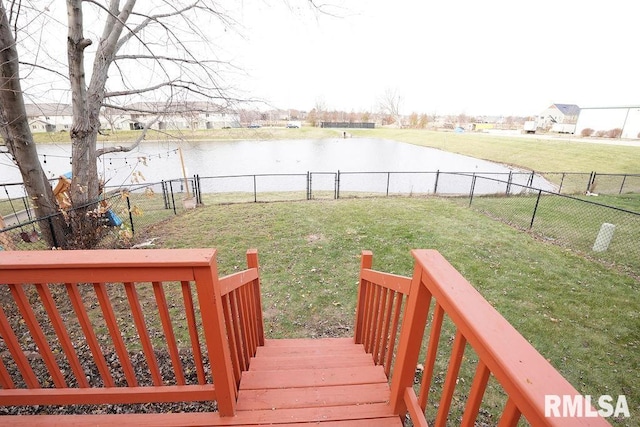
413,325
252,262
216,337
366,262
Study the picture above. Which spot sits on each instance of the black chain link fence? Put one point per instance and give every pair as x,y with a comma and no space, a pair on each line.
602,231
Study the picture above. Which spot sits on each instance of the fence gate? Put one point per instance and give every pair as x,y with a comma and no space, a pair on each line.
322,185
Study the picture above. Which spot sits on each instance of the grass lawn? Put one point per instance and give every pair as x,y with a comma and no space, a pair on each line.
580,315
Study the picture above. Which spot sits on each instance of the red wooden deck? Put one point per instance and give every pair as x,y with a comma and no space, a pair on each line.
367,380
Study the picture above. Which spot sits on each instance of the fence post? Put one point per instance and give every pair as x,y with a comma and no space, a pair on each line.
530,183
165,196
591,177
173,200
509,183
388,179
53,232
535,209
435,187
624,178
561,182
255,194
337,185
473,187
308,186
130,215
199,190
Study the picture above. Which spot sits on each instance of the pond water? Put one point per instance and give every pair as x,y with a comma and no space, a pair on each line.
154,161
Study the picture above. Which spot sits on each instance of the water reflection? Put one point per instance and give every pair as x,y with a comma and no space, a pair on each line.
154,161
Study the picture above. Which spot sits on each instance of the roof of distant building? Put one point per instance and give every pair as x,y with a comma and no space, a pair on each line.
48,109
568,109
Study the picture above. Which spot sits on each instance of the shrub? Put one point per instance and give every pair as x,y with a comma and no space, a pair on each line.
600,133
587,132
614,133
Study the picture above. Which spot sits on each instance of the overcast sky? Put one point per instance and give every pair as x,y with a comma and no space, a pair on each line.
500,57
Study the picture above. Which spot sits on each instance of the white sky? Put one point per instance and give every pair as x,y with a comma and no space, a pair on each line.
491,57
488,57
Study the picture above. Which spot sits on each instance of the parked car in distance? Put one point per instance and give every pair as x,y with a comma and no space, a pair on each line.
294,124
254,126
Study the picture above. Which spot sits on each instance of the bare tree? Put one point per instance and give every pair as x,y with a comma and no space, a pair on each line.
148,37
390,103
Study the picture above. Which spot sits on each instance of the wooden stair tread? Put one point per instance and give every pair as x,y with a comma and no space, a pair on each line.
316,377
376,415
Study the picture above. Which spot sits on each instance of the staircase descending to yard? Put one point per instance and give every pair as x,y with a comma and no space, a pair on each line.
173,301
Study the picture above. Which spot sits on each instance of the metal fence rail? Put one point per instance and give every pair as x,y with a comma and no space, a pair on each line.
516,198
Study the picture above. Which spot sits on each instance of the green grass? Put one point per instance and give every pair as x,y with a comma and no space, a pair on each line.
580,315
572,223
558,155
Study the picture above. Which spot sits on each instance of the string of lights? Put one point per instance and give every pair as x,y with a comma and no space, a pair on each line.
139,157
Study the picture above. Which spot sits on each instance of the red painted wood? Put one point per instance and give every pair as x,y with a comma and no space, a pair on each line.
415,316
61,333
89,334
18,356
301,350
414,409
451,380
232,336
252,262
5,378
365,263
143,334
478,387
394,282
305,397
314,343
167,328
36,333
361,414
311,377
216,337
271,363
193,331
431,355
114,331
101,395
237,280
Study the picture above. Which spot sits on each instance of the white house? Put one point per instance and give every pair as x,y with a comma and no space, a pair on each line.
558,114
186,115
49,117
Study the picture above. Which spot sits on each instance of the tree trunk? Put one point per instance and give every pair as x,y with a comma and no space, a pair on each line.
14,129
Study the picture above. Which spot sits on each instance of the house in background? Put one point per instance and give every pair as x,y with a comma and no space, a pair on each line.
557,114
49,117
184,115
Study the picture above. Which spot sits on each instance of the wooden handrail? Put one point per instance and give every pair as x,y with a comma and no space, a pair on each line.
380,300
523,373
228,307
242,310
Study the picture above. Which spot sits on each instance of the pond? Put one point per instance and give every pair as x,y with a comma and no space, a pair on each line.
154,161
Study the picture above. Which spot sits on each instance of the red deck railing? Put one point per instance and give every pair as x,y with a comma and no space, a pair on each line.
220,321
524,375
39,281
